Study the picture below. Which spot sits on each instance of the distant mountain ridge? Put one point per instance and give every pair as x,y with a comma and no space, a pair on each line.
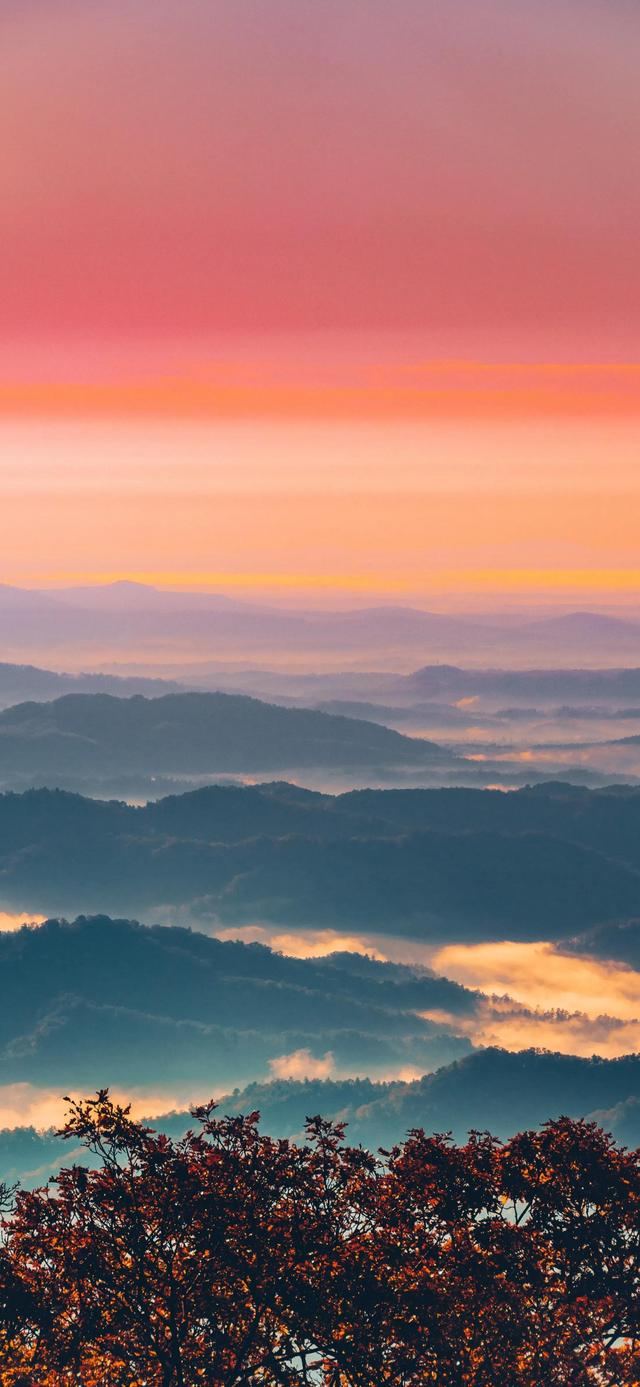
134,616
123,595
453,681
27,683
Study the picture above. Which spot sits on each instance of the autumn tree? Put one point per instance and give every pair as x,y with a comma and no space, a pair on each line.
235,1260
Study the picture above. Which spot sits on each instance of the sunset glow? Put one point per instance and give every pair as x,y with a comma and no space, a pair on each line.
319,691
337,311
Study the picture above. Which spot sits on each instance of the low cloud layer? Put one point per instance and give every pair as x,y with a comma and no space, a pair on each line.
568,1034
301,1064
29,1105
535,995
540,975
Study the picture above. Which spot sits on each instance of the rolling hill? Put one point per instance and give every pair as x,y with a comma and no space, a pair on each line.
192,733
100,1000
426,864
26,683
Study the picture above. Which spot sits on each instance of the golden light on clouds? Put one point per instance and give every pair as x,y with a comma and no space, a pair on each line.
539,996
301,1064
538,975
306,943
10,922
577,1034
530,994
25,1104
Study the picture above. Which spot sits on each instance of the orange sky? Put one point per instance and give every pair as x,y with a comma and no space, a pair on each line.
321,303
325,510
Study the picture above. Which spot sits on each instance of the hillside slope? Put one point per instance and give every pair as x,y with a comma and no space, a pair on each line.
98,1001
61,854
192,733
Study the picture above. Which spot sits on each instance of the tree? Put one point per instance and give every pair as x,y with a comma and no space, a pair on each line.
235,1260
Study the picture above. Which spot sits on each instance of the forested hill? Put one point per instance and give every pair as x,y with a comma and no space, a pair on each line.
426,864
490,1089
279,855
99,1000
193,733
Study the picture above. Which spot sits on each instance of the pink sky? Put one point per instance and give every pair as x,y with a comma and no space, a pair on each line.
256,260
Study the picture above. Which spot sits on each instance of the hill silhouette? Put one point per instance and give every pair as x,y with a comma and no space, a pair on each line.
371,862
452,681
133,618
490,1088
192,733
111,995
24,683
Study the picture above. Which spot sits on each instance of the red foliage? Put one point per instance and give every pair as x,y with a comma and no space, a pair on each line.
235,1260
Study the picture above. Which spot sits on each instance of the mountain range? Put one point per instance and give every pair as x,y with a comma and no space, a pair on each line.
436,689
544,685
548,862
132,617
98,1001
487,1090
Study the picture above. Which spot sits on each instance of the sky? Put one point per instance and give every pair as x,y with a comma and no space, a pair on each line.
322,302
